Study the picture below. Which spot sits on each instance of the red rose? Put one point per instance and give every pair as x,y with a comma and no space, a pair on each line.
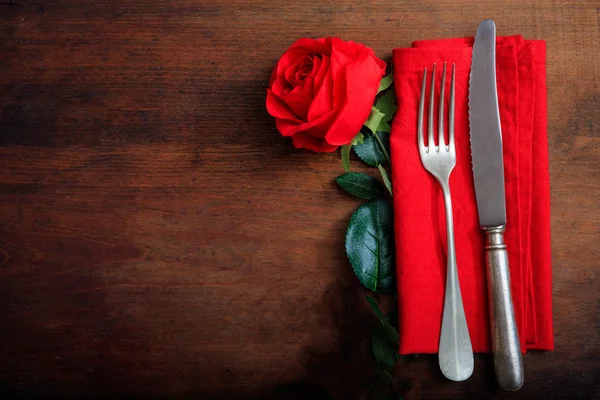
322,90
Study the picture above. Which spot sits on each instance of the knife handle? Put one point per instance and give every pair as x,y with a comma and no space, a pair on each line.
508,360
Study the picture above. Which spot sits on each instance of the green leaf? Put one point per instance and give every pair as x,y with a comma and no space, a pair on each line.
383,351
389,331
359,138
374,119
386,178
360,185
386,82
370,152
370,246
386,376
375,307
346,157
386,105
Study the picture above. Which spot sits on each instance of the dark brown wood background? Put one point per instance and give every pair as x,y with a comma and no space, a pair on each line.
160,239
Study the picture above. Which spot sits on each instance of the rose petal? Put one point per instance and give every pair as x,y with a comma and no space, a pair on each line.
318,127
323,101
340,55
278,109
304,140
316,65
287,59
299,49
286,127
298,102
292,70
280,86
361,78
322,72
346,49
380,63
339,61
308,86
354,50
303,72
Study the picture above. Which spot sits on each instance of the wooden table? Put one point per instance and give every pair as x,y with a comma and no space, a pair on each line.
160,239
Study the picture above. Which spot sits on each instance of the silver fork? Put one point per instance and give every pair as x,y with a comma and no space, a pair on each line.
455,351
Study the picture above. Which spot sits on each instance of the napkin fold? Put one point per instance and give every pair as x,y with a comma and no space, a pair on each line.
419,216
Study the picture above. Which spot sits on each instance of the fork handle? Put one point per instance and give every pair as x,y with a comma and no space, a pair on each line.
506,347
455,354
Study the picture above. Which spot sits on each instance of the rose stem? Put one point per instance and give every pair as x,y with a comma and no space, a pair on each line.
385,153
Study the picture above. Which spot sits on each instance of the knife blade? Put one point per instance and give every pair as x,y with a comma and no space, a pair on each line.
488,174
486,132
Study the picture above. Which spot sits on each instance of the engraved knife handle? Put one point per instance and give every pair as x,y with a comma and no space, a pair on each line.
506,347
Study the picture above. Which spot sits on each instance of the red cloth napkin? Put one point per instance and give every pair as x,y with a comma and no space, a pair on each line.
418,203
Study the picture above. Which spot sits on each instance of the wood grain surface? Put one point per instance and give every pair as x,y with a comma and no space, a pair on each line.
160,239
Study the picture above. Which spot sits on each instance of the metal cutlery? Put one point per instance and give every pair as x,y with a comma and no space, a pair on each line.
455,351
488,172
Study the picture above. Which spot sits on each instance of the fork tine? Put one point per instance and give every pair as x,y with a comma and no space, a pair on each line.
451,112
421,107
442,140
430,141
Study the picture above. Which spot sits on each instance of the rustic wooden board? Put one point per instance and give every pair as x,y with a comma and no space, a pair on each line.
160,239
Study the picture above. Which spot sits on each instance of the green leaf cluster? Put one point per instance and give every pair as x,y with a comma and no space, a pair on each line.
384,343
369,236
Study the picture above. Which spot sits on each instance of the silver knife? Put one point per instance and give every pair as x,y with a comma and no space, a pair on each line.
488,173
